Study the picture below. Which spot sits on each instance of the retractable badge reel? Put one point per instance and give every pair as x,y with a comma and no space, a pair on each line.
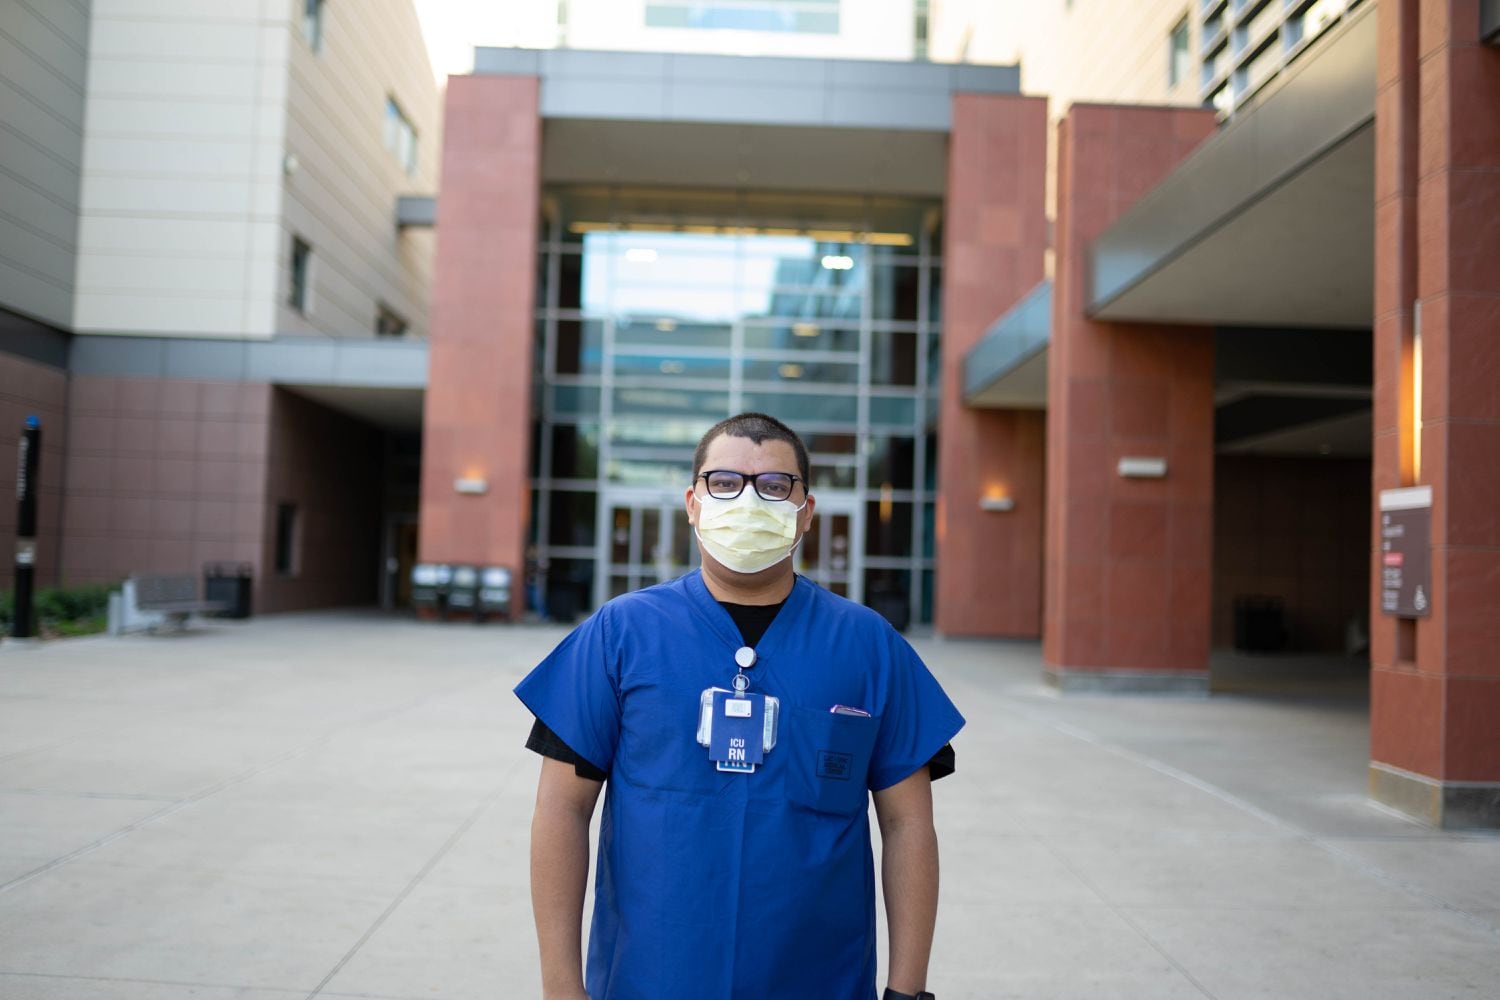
738,726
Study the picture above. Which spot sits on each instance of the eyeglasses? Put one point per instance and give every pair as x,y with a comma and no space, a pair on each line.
725,484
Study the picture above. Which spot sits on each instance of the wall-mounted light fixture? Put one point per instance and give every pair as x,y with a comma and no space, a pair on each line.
1416,391
997,499
472,485
1135,467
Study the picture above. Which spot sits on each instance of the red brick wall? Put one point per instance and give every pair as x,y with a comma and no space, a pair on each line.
163,475
30,388
1128,562
477,419
1297,529
989,564
330,466
1437,212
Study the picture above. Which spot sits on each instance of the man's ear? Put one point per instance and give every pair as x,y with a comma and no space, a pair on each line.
806,515
690,504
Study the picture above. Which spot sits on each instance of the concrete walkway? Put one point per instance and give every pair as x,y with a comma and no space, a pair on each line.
336,805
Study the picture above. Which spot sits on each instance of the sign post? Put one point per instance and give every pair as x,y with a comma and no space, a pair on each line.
1406,552
28,457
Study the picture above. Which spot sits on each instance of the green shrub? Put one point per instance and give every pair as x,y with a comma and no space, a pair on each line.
78,610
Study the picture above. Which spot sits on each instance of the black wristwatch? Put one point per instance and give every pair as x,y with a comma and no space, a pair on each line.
891,994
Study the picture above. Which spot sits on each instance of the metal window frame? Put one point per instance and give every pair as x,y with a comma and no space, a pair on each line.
852,503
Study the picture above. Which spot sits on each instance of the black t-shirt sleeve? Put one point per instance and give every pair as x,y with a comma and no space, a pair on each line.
545,742
943,763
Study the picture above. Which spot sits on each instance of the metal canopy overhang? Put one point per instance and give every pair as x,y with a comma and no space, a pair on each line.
1007,368
379,381
1271,221
772,124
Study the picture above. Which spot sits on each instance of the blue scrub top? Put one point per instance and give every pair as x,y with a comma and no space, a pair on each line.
719,886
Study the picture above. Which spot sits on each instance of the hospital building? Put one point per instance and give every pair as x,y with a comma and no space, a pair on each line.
1149,330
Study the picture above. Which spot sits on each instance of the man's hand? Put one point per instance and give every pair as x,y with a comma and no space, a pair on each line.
559,874
909,876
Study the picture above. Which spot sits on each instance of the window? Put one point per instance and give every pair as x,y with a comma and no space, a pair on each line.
1179,59
920,29
299,299
312,24
400,136
819,17
286,539
389,323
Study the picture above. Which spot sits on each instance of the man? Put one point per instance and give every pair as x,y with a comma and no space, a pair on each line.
738,718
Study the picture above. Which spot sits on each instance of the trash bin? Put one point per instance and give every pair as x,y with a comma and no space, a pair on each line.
1259,624
429,588
229,583
494,591
463,590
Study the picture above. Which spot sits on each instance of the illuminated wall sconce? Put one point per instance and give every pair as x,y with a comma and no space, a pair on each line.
473,485
1142,468
996,499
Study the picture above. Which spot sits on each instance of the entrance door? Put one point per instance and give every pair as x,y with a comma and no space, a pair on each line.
832,551
643,539
400,557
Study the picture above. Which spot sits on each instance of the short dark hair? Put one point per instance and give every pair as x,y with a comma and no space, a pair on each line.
760,428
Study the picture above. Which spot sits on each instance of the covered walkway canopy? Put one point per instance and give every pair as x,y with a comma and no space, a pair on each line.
1268,224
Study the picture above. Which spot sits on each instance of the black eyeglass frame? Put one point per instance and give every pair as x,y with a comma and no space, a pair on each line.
754,481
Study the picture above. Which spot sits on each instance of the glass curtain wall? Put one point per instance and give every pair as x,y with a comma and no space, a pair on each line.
662,313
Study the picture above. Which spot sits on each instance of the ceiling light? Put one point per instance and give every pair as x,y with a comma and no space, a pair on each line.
673,367
806,329
790,371
666,325
838,262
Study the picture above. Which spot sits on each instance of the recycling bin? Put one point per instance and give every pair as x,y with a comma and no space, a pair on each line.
463,590
429,588
494,592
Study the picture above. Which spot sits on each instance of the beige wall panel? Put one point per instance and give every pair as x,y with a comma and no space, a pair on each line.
217,10
159,315
342,198
164,236
43,67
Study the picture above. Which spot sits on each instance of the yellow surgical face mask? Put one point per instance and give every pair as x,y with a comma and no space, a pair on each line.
748,534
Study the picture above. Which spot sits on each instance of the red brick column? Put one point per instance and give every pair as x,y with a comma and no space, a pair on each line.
477,419
1129,561
1435,683
994,237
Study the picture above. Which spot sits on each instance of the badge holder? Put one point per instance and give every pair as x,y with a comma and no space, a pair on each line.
738,727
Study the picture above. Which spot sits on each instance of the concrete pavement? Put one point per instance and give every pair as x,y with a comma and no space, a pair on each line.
336,805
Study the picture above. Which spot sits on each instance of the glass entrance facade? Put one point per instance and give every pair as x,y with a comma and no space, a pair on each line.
661,313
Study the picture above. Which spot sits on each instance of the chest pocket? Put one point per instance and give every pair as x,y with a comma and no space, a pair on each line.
828,759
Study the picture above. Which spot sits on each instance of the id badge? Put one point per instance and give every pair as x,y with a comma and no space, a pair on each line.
738,731
739,721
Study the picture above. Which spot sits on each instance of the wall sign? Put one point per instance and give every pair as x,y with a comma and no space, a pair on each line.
1406,552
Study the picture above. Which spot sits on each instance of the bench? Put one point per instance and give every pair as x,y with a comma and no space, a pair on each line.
150,600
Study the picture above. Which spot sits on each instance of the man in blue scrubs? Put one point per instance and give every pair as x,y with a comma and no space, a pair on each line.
738,719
